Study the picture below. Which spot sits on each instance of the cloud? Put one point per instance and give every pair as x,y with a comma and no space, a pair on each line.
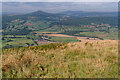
54,7
0,7
60,0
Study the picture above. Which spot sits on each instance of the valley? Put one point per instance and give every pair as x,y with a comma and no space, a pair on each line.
54,28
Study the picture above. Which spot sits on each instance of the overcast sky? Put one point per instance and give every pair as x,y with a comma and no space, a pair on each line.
59,0
53,7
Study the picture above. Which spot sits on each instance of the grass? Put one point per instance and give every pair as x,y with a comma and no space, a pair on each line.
18,42
71,60
14,36
63,39
112,35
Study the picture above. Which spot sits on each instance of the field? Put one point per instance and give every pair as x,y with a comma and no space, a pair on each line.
93,59
111,35
18,41
68,38
58,35
63,39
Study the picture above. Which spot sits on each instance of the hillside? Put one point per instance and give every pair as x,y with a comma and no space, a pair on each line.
25,27
34,16
94,59
113,21
90,14
56,17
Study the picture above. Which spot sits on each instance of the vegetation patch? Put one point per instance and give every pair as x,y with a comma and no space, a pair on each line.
71,60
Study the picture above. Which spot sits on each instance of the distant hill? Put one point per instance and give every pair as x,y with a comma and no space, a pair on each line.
89,14
34,16
113,21
52,19
41,13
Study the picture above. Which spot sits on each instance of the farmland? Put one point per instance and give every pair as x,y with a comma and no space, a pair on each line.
56,23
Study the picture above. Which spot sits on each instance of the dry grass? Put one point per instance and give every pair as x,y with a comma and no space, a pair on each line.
79,38
93,59
59,35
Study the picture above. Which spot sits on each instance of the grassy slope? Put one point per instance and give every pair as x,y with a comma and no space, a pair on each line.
80,59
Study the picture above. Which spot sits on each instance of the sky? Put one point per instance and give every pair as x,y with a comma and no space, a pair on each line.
56,7
60,0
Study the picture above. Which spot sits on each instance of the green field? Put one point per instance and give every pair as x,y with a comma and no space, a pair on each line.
111,35
15,42
63,39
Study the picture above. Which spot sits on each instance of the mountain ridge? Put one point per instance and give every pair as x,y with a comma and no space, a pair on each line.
90,14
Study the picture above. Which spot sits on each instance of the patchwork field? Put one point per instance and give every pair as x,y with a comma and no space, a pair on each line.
93,59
